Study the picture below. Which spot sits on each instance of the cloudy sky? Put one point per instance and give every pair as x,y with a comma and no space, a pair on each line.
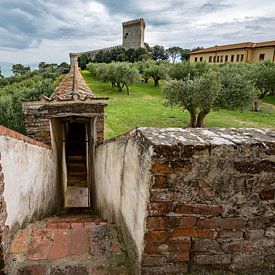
47,30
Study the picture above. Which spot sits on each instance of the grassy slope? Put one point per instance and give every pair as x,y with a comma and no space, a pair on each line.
144,107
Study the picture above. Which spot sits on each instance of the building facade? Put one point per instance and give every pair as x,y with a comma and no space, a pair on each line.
248,52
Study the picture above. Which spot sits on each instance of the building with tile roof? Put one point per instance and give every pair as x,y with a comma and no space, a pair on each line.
247,52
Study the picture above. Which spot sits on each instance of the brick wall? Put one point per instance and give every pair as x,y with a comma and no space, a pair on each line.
37,117
211,201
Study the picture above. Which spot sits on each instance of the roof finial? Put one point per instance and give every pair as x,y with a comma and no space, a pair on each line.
74,58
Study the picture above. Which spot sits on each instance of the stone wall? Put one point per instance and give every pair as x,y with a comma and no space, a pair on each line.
121,190
28,182
209,196
38,114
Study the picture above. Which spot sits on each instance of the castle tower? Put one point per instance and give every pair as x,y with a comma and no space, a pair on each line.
133,34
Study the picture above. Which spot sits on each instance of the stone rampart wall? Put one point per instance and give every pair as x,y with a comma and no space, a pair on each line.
209,198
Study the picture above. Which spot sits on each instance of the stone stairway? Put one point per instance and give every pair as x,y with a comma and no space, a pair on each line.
77,171
68,244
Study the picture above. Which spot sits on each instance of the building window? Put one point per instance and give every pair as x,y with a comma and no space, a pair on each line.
214,59
232,58
218,59
261,57
196,59
238,58
200,58
210,59
226,58
221,58
242,57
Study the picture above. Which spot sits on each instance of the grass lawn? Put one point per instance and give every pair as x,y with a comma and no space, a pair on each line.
145,107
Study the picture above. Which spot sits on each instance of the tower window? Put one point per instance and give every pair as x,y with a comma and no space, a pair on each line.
196,59
126,34
238,58
242,57
232,58
261,56
226,58
200,58
210,59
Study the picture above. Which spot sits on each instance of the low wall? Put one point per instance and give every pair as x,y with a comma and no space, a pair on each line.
207,196
122,189
28,180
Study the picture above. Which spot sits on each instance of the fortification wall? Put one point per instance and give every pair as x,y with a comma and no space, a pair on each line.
28,182
208,197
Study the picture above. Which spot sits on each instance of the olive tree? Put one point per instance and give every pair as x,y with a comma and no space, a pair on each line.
196,95
156,70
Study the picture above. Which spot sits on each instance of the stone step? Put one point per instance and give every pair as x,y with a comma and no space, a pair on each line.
68,244
76,158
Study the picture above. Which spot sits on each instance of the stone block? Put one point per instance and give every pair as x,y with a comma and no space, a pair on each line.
33,270
246,261
226,233
208,259
205,245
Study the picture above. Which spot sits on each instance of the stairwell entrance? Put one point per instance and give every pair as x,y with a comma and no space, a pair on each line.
76,159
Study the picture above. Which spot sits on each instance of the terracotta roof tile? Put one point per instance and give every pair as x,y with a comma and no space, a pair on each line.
235,46
73,87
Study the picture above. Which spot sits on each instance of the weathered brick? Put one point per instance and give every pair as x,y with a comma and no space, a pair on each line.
267,194
21,241
205,245
39,245
260,222
69,270
162,195
60,245
156,236
160,181
226,233
149,260
165,223
79,242
205,190
159,208
169,268
172,167
193,232
199,209
168,246
220,259
33,270
222,223
255,234
246,261
232,247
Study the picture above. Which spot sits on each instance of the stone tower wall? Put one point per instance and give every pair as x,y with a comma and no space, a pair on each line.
133,34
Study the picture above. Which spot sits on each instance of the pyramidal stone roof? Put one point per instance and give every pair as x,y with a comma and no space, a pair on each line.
72,87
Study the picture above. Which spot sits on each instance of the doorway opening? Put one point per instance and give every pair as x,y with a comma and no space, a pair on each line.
76,148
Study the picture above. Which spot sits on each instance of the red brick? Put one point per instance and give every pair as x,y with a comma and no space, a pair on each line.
79,242
60,246
63,225
193,232
168,168
156,236
159,208
39,245
222,223
52,225
165,223
116,247
199,209
89,225
77,225
160,181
